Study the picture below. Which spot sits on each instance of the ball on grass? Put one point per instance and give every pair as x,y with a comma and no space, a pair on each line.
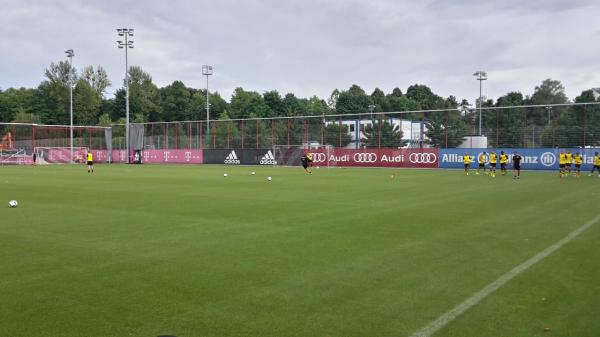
253,173
13,204
224,174
269,178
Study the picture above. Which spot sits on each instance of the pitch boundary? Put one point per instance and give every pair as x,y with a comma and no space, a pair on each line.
458,310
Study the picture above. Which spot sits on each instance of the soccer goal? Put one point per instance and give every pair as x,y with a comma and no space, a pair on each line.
289,155
60,155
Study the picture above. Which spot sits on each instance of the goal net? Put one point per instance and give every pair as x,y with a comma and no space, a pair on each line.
289,155
60,155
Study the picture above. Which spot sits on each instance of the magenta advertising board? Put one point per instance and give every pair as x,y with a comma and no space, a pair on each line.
172,156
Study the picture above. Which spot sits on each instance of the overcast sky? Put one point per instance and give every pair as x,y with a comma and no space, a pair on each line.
311,47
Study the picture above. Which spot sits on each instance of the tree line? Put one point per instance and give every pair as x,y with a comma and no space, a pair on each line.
48,103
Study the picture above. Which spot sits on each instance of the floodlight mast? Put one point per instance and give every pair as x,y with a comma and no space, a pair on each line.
481,76
207,71
127,44
70,55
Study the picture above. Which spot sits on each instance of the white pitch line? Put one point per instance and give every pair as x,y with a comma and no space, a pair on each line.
449,316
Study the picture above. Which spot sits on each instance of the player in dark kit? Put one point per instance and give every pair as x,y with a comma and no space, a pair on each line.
307,160
516,165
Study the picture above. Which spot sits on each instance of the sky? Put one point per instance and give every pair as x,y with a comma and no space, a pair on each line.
311,47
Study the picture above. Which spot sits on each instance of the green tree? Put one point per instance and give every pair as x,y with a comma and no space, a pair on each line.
224,131
97,79
381,133
332,100
548,92
247,104
445,129
293,106
275,103
175,102
336,135
354,100
380,101
144,97
13,101
507,124
86,104
25,117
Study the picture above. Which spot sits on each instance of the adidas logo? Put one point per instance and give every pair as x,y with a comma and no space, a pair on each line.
268,159
232,158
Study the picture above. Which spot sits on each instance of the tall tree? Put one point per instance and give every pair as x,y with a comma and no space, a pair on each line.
548,92
333,98
275,103
381,133
13,101
175,102
86,104
96,78
508,124
144,97
380,100
354,100
446,129
247,104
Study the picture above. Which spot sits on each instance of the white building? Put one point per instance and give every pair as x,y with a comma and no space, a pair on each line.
413,132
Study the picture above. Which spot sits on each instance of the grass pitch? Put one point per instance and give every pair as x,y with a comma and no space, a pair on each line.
182,250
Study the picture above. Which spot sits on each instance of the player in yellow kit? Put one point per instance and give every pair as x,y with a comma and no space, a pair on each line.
578,161
596,164
90,162
467,161
562,160
569,162
493,161
482,159
503,162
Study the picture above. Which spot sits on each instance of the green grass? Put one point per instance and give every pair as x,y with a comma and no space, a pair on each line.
181,250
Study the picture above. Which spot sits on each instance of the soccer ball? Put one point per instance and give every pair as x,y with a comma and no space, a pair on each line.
269,178
13,204
224,174
253,173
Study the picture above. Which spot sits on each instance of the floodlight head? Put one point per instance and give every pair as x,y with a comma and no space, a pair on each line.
481,75
130,32
207,70
70,53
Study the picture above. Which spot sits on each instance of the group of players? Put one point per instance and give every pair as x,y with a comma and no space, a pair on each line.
566,162
493,158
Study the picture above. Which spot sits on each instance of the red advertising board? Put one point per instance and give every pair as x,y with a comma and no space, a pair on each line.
415,158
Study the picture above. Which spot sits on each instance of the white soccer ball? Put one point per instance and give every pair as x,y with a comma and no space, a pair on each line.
269,178
13,203
224,174
253,173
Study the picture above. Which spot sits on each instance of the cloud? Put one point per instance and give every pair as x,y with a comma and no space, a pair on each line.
314,46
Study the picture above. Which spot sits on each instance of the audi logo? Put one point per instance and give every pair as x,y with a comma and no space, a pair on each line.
319,157
422,158
365,157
